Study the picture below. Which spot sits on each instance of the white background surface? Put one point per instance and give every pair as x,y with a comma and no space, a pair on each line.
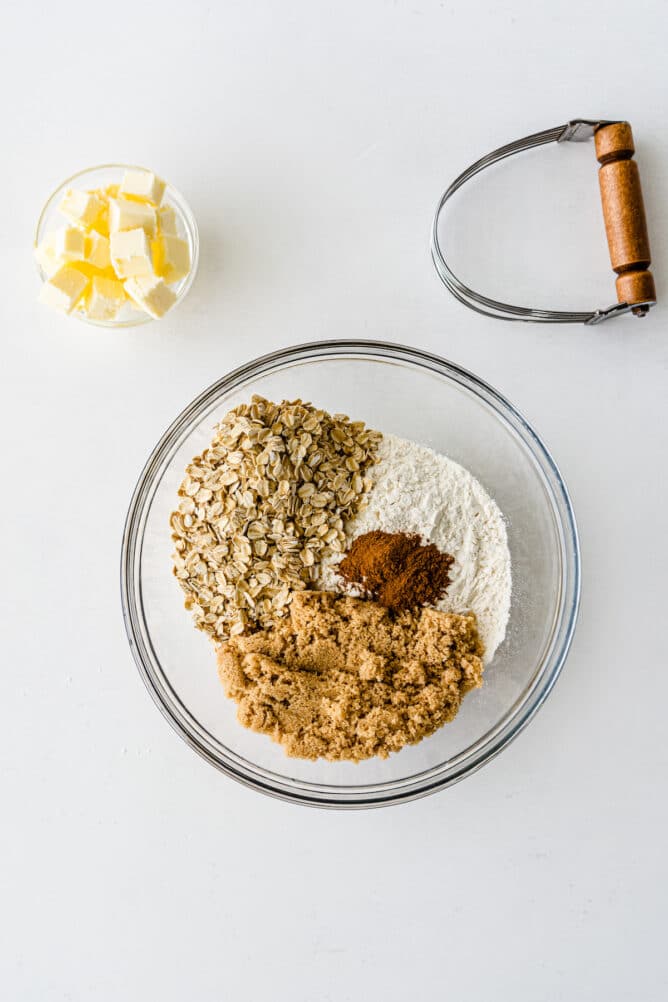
312,141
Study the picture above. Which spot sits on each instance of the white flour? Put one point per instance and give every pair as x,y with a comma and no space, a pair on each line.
418,490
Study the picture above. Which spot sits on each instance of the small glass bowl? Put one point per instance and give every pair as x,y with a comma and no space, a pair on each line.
418,396
100,177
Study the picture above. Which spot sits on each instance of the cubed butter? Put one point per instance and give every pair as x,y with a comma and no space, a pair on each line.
143,185
171,257
70,244
127,215
81,207
130,253
150,294
120,245
64,289
104,298
97,250
167,220
46,256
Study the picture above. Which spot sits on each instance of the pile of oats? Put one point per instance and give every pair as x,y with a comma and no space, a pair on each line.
262,506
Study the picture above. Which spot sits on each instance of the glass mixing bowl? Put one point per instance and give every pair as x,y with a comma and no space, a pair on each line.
417,396
100,177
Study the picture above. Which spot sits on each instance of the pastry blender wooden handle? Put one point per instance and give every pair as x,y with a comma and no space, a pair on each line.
624,216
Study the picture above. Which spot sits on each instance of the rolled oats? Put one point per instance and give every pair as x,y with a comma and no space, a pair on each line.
261,506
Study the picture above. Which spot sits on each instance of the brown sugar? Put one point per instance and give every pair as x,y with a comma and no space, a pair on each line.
345,678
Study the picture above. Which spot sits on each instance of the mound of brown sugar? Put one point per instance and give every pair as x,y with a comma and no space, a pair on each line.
345,678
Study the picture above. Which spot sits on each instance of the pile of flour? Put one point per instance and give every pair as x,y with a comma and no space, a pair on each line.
418,490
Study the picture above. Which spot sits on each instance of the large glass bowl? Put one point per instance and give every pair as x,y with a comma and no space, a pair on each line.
101,177
421,397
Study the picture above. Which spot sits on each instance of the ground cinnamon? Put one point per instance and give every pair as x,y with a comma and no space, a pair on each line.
397,569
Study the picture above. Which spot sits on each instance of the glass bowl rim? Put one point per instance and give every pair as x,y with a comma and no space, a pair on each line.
182,207
394,791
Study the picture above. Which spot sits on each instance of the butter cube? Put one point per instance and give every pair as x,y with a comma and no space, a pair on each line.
167,220
64,289
171,257
151,294
104,299
80,207
70,244
127,215
130,253
97,250
46,256
143,185
101,224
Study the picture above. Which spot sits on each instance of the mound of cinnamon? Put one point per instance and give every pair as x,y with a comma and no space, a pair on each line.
397,569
